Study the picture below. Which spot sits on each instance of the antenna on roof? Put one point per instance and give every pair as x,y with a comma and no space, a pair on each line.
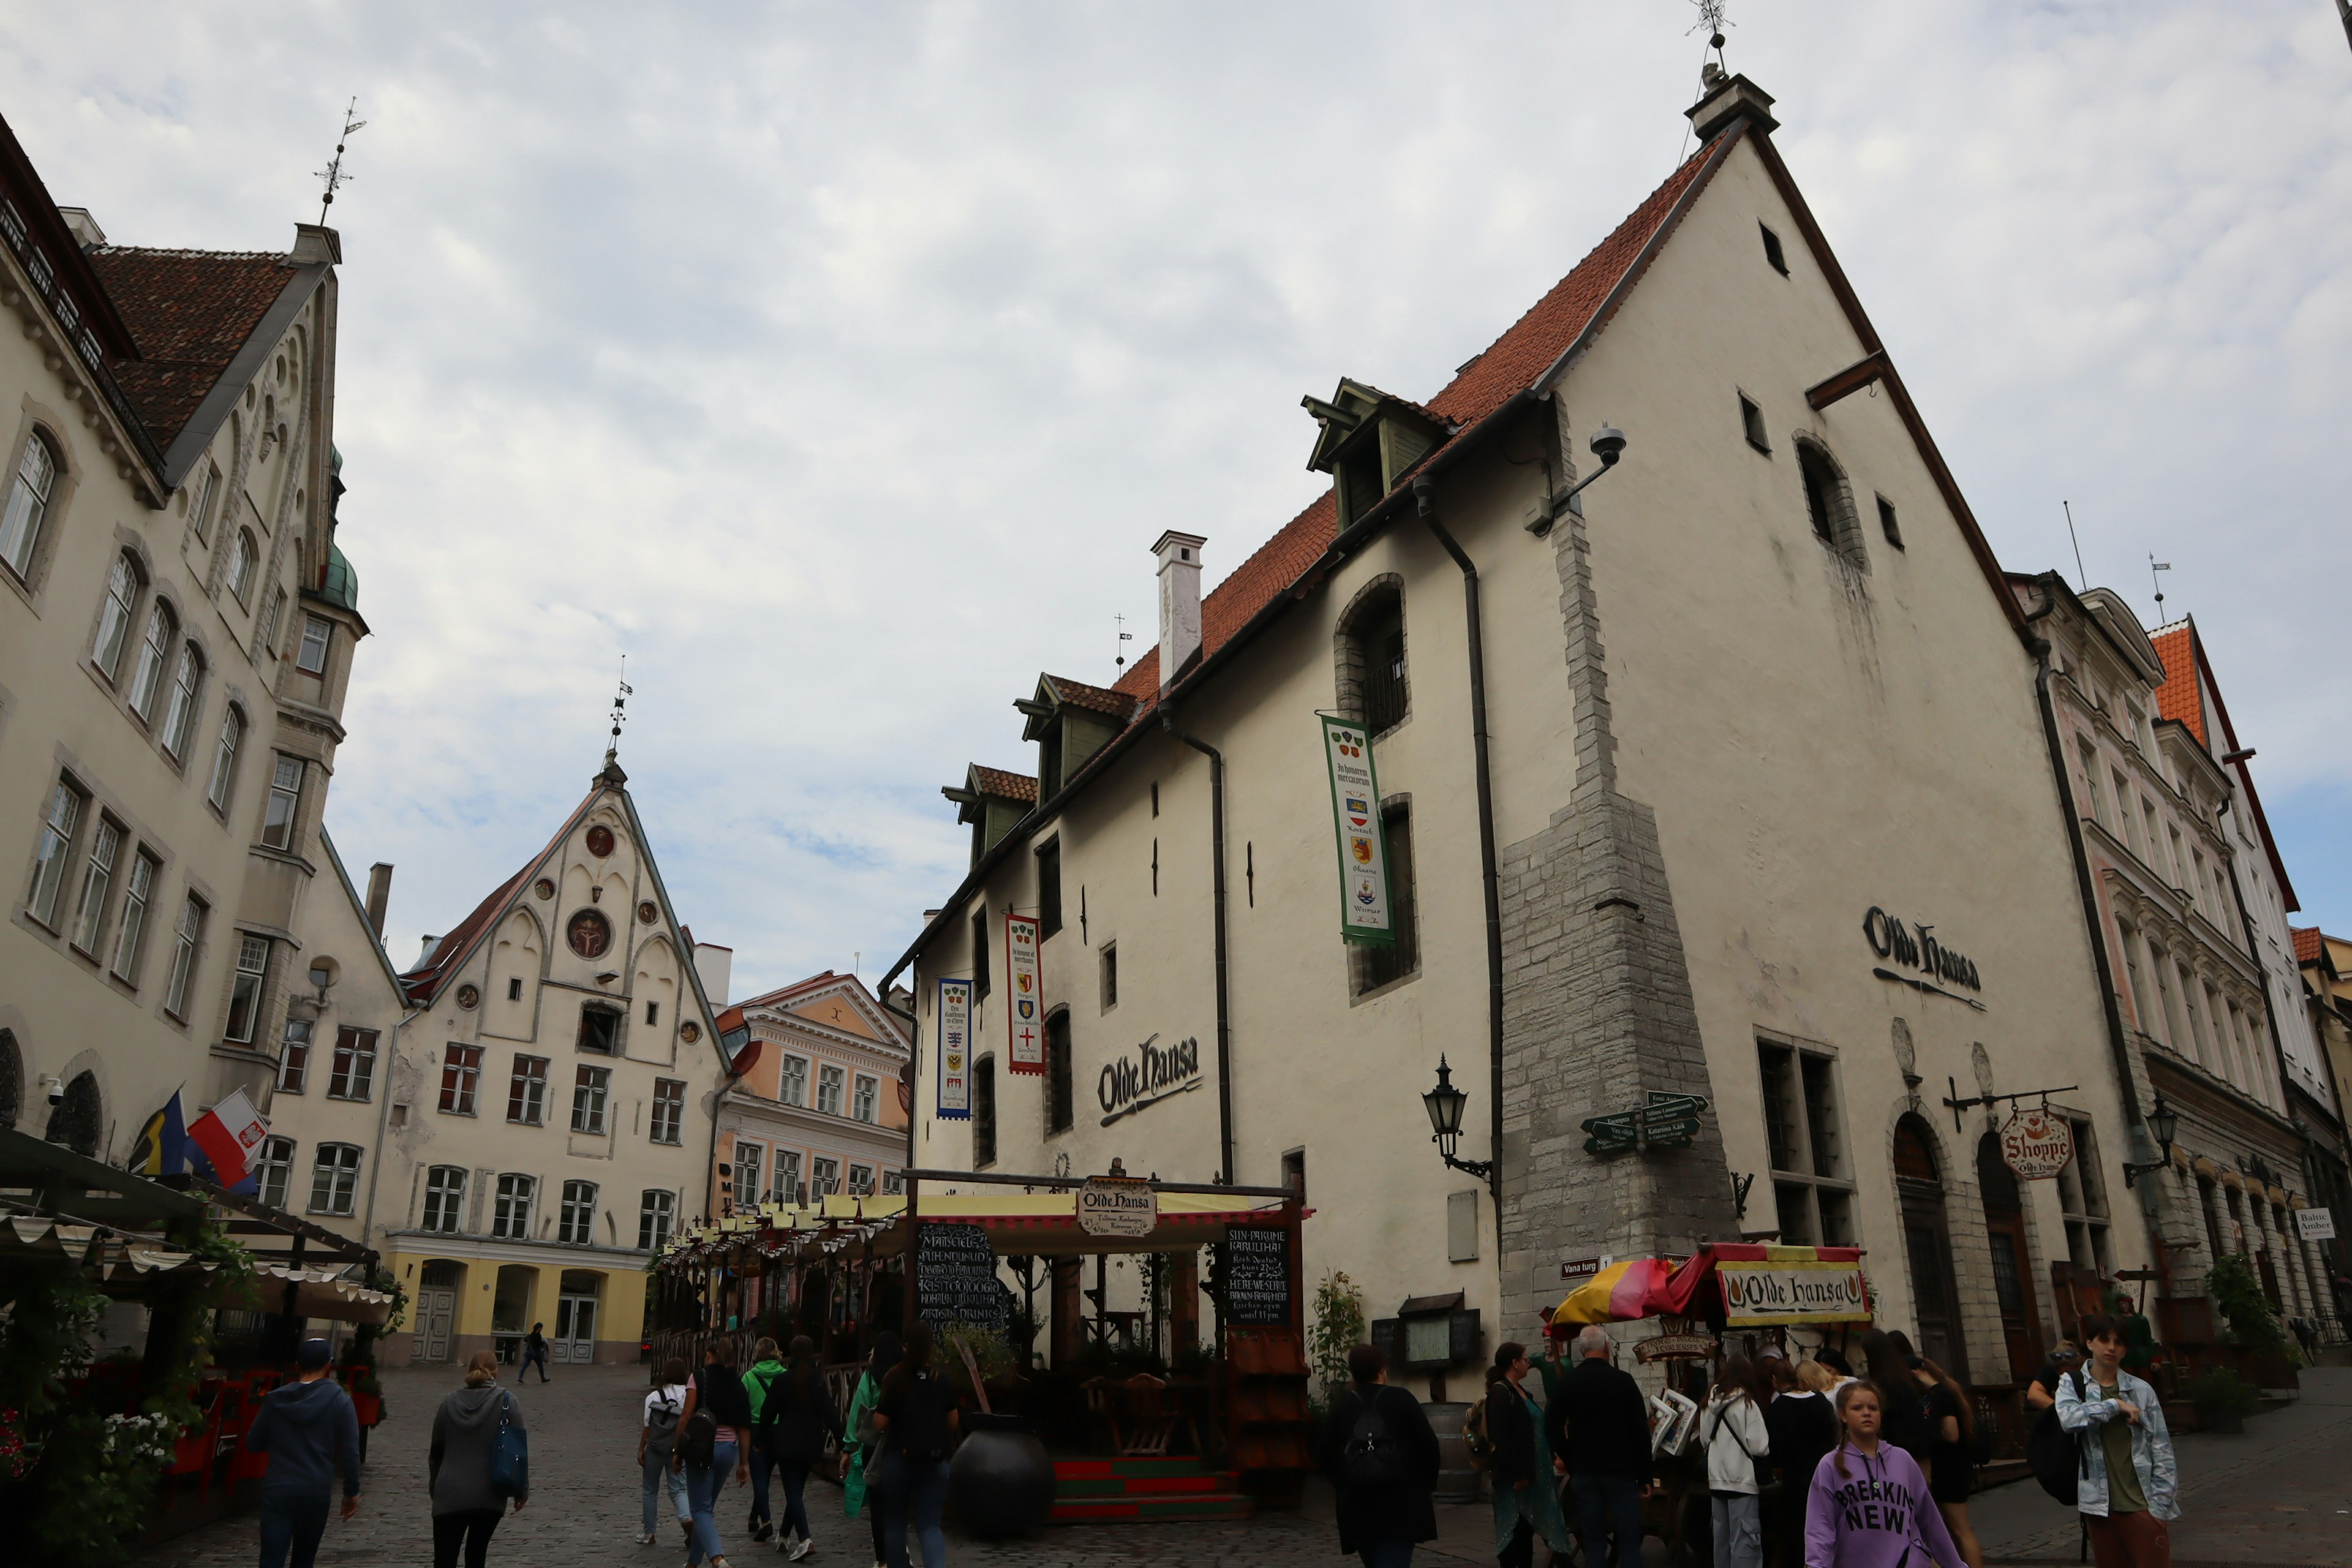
1710,72
620,710
1123,637
333,173
2154,567
2079,573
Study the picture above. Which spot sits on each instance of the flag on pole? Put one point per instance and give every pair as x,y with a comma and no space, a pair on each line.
229,1135
163,1146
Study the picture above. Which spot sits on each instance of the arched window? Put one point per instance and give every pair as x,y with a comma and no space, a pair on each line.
200,510
577,1219
80,1118
187,683
511,1217
1372,683
29,504
154,649
232,734
445,1198
2013,1265
114,616
1829,503
241,564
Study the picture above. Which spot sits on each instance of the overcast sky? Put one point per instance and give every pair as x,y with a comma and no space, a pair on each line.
839,363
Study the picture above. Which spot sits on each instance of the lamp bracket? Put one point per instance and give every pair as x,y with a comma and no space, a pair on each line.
1959,1105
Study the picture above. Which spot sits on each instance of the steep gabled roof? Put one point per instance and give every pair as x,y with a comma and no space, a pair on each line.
1094,698
2310,947
427,980
2177,696
1003,785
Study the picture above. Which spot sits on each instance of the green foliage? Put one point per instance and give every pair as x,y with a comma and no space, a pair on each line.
2238,1293
1338,1328
2222,1393
989,1350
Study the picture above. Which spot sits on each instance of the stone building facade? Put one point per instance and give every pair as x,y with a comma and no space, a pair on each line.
817,1112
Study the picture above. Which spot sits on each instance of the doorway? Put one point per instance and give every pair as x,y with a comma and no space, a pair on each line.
436,1309
2013,1265
574,1340
1927,1238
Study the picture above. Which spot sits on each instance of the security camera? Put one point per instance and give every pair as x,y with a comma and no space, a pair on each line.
1608,445
55,1086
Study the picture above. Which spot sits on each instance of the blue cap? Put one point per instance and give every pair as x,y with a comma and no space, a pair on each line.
312,1354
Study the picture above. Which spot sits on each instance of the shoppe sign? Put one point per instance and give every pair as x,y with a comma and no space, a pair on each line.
1811,1291
955,1050
1355,818
2037,1144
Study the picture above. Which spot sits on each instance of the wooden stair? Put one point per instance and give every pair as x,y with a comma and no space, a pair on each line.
1144,1491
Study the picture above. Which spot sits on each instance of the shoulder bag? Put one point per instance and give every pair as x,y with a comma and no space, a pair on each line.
509,1454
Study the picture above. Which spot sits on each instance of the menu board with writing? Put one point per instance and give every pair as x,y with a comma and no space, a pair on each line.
1257,1278
955,1277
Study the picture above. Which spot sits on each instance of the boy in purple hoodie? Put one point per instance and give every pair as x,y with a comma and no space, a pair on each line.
1869,1506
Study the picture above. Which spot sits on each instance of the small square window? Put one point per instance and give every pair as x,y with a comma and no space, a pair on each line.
1751,421
514,988
1886,524
1772,251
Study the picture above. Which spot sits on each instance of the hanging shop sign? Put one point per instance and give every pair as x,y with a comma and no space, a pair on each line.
955,1277
1152,1074
1024,1002
1257,1278
1916,947
1678,1342
955,1050
1811,1291
1118,1206
2315,1225
2037,1144
1355,818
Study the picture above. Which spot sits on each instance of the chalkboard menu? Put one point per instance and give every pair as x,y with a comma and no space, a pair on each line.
1257,1278
955,1277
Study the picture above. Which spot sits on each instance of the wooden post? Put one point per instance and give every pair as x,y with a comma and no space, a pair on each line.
1068,1332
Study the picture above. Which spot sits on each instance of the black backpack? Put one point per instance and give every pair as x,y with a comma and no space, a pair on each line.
2057,1455
1373,1461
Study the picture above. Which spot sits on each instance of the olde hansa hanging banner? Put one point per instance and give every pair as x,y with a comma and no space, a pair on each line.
1356,816
1024,1014
955,1050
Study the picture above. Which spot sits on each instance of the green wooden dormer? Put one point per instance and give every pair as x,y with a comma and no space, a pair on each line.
1367,441
993,801
1070,722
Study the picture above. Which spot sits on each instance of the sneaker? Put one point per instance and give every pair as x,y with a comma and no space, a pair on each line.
803,1550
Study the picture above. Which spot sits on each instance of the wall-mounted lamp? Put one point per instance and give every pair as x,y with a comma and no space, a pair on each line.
1444,1105
2163,1121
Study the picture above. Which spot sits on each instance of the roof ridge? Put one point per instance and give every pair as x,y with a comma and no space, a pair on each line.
188,252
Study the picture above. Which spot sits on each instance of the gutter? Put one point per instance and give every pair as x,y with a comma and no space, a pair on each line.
1217,878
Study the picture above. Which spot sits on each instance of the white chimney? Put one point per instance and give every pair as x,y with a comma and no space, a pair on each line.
1180,601
716,965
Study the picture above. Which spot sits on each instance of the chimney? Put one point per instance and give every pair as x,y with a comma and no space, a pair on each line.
1728,98
426,956
1180,601
378,896
84,227
715,966
314,244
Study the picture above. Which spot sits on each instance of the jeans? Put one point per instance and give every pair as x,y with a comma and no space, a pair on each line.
1738,1529
702,1486
527,1357
658,1475
761,1460
1603,1502
1386,1553
291,1523
796,1474
471,1528
913,1492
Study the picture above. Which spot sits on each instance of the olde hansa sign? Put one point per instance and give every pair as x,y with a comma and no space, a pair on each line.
1915,947
1808,1291
2037,1144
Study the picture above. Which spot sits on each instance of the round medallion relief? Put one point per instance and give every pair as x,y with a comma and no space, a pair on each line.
543,888
469,998
647,913
589,934
600,841
689,1031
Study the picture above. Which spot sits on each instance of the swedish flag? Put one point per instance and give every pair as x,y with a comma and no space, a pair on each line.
163,1146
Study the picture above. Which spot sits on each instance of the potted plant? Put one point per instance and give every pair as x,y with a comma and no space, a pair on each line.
2223,1399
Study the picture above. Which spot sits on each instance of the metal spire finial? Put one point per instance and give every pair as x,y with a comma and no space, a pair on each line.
333,173
1711,17
1123,637
2154,567
620,710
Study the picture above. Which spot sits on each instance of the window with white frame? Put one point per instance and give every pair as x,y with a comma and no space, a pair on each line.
590,1089
352,1074
861,1101
527,1092
861,1181
244,987
131,934
56,851
29,504
510,1212
576,1221
793,1085
788,1177
1812,1185
270,620
2084,1200
200,512
294,1056
114,616
445,1198
187,942
893,1183
285,801
276,1171
97,886
669,1111
334,1178
245,556
655,1210
825,1176
312,657
224,777
828,1090
154,653
748,1163
461,1075
187,689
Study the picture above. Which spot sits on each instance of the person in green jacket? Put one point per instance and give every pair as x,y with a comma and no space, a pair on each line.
863,1444
766,1367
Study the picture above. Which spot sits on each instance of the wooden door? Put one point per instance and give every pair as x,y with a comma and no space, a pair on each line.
1927,1239
436,1309
2004,1210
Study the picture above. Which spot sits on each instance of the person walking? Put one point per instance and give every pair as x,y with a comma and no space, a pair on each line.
534,1349
1732,1426
1869,1506
309,1431
466,1507
2042,1392
863,1447
1598,1428
789,1424
1381,1459
1951,1472
707,1450
1526,1504
1903,1403
657,1443
765,1368
2128,1492
1804,1428
918,1419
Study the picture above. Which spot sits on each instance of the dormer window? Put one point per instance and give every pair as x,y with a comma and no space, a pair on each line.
1367,441
1071,722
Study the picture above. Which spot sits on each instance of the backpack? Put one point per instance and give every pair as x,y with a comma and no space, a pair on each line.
661,1424
1373,1459
698,1440
1476,1442
2058,1456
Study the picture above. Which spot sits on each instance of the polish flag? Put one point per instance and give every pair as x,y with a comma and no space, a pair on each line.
228,1134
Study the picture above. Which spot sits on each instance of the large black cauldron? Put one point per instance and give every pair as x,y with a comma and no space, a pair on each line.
1000,1483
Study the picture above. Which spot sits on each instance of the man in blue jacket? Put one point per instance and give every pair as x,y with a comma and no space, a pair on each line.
310,1430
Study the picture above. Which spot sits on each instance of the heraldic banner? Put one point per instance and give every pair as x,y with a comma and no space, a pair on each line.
1023,998
955,1050
1363,852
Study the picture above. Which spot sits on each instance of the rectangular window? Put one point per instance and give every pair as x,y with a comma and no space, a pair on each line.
2129,941
979,954
445,1199
285,801
199,515
1109,963
353,1071
893,1183
277,1169
862,1099
56,849
514,988
793,1083
132,934
788,1177
828,1090
1804,1134
653,1014
334,1178
1751,424
576,1221
312,657
670,1109
2179,869
244,987
984,1112
97,886
527,1092
1060,1102
861,1181
461,1073
511,1215
294,1056
270,620
2093,796
825,1176
590,1087
1377,966
1049,889
1886,524
600,1029
654,1211
1772,252
187,937
749,1158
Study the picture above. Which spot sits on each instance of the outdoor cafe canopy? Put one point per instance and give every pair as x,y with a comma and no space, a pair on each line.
1744,1284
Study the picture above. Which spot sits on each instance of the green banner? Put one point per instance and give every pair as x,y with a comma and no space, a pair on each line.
1364,914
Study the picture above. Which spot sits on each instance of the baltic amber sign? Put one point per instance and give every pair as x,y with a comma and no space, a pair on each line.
2037,1144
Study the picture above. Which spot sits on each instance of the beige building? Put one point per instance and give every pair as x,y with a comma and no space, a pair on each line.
2326,965
818,1111
1728,777
176,626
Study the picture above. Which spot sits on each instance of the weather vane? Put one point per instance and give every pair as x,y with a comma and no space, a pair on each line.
1123,637
620,710
1711,17
333,173
2154,567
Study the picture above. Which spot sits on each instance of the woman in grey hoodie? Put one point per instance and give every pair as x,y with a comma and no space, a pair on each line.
464,1432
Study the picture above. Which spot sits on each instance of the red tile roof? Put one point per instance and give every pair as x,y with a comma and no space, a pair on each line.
189,311
2178,698
424,981
1100,700
1003,785
2309,946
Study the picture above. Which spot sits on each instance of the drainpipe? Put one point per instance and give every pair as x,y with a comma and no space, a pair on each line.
1424,492
383,1129
1217,871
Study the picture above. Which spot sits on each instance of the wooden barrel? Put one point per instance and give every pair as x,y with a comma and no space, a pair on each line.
1457,1482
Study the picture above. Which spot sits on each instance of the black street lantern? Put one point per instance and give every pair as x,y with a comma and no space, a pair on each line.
2163,1121
1444,1105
